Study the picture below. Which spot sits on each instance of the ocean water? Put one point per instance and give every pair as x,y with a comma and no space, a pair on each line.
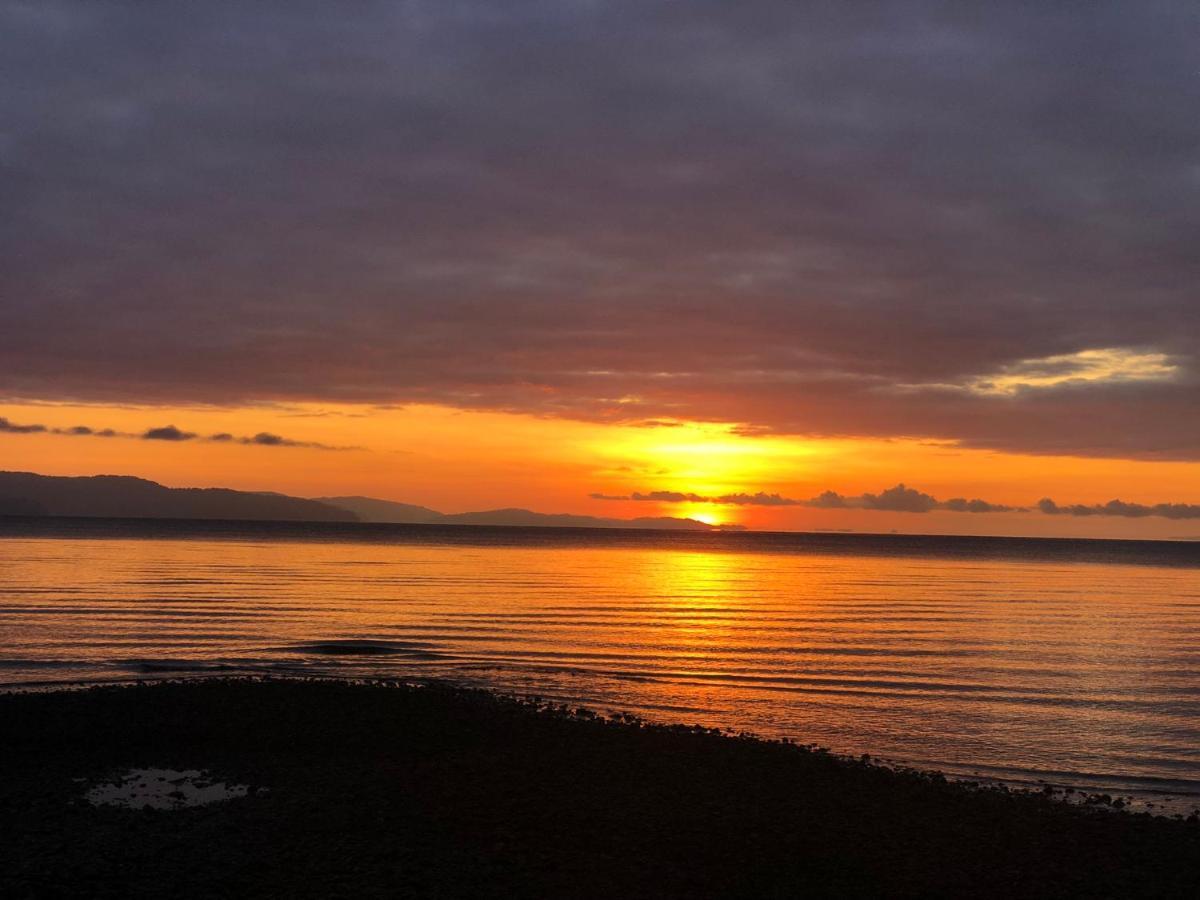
1073,662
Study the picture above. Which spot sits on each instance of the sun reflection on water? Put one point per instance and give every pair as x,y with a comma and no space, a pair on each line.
1010,666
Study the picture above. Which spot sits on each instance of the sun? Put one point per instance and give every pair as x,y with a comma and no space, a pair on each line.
701,512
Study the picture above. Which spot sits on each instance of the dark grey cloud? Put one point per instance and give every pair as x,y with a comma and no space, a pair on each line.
1121,508
897,499
962,504
7,427
670,497
167,433
900,499
261,439
828,500
758,499
905,499
820,218
267,439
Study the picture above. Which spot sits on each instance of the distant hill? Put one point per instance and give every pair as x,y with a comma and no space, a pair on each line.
123,496
565,520
370,509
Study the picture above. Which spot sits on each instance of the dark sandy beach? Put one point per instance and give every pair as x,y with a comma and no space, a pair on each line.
374,790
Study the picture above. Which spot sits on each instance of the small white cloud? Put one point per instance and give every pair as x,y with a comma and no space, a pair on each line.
1109,364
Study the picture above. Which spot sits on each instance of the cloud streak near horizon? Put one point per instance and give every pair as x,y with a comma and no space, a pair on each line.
894,220
909,500
168,434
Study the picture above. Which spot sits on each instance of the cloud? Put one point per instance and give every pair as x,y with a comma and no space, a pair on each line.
170,434
895,499
1112,365
870,220
909,500
961,504
167,433
670,497
260,439
268,439
1123,509
828,500
900,499
7,427
656,423
758,499
903,499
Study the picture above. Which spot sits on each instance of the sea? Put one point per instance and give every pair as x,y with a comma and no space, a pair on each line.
1027,662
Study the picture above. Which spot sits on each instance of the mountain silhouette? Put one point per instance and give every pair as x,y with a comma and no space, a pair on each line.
371,509
126,496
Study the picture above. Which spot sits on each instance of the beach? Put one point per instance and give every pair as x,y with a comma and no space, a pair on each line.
373,789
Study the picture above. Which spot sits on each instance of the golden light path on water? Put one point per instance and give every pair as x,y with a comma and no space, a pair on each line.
1022,669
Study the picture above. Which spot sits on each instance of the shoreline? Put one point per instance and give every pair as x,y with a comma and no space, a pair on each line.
461,792
1137,794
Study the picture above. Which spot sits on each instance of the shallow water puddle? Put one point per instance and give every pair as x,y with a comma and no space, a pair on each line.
163,789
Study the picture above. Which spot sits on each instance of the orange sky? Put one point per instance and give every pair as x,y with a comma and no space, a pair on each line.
454,460
927,234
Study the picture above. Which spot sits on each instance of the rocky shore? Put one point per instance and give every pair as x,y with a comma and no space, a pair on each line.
327,789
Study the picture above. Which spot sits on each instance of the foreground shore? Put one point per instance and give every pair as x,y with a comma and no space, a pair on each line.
374,790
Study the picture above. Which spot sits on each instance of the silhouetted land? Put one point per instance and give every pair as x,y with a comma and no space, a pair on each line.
400,791
28,495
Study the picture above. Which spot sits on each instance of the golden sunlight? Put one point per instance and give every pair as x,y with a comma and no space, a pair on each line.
701,512
455,460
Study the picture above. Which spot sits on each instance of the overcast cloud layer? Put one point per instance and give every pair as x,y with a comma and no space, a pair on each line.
830,219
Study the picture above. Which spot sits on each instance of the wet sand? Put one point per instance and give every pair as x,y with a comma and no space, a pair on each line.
374,790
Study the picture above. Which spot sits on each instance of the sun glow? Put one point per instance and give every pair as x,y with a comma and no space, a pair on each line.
698,457
456,460
701,512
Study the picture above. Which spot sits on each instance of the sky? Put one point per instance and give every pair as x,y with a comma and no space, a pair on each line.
759,263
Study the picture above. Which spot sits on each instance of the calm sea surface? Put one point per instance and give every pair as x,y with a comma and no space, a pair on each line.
1072,661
